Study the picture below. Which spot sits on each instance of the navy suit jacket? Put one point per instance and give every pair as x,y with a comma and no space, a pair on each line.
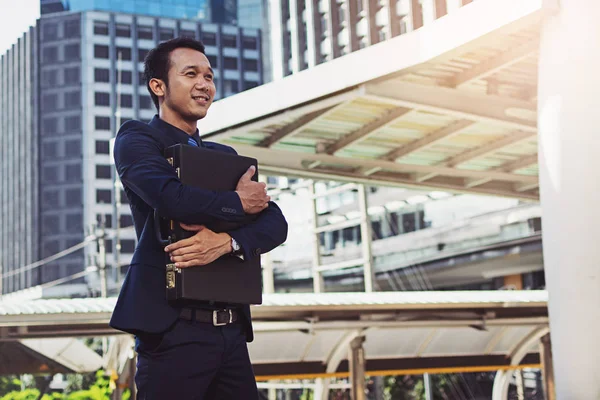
152,184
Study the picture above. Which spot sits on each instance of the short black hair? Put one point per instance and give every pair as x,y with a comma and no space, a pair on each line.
158,61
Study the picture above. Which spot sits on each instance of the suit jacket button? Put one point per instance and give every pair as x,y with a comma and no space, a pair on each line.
257,252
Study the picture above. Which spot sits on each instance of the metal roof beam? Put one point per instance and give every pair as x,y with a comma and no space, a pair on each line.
494,64
295,127
513,113
428,140
386,119
487,148
507,167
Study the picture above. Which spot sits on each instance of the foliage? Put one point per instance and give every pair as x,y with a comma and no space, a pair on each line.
9,384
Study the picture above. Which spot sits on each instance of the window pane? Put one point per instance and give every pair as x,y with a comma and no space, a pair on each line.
72,75
103,123
230,63
144,32
125,221
101,99
73,123
101,75
50,102
103,172
73,99
125,53
73,173
209,39
145,103
126,100
250,43
50,32
49,125
102,147
100,28
72,52
100,51
50,54
166,34
187,33
251,65
103,196
122,30
73,197
229,41
73,148
127,245
213,61
142,53
71,28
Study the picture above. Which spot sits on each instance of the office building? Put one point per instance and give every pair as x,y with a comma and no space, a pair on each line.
85,72
305,33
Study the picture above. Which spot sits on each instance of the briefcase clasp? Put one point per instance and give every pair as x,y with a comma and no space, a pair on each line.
171,270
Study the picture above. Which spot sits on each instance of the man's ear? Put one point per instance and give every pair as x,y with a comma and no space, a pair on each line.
157,86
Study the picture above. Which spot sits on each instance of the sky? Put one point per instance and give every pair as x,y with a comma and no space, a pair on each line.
17,17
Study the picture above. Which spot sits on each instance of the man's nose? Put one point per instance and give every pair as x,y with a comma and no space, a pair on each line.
202,84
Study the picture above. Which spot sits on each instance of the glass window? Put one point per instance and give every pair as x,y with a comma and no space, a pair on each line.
123,30
144,32
187,33
125,221
73,197
49,125
50,102
166,34
74,222
125,53
230,63
127,245
50,54
126,100
107,220
49,150
101,75
51,224
103,196
229,41
209,39
73,123
50,198
145,103
50,32
142,53
73,172
50,77
103,172
213,61
250,85
250,65
101,28
51,247
142,78
101,99
102,147
73,148
71,28
126,77
73,99
249,43
72,52
50,174
100,51
72,75
231,86
103,123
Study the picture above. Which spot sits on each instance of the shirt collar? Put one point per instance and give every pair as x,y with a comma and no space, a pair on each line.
173,131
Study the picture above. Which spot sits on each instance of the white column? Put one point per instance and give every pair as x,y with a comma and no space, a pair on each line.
569,154
277,30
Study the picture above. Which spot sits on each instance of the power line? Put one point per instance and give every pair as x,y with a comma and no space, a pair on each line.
46,260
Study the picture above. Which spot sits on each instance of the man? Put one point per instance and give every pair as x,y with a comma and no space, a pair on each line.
181,354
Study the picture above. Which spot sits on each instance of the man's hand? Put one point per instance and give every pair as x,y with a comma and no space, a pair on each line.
201,249
253,195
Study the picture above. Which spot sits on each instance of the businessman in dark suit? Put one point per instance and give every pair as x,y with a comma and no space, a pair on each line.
181,353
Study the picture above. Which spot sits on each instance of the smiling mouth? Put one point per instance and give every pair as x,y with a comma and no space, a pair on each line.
205,98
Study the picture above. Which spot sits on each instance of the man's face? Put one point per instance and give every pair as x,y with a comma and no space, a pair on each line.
191,88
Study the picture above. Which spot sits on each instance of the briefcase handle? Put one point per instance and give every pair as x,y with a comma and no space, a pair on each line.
159,234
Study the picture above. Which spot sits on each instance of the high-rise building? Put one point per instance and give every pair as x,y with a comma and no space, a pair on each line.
19,157
188,9
84,70
305,33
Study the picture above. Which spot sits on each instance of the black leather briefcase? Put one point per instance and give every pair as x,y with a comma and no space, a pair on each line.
228,279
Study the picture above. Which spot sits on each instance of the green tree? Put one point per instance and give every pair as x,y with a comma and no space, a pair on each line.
9,384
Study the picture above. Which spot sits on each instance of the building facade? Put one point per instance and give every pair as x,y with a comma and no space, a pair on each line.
90,67
305,33
19,157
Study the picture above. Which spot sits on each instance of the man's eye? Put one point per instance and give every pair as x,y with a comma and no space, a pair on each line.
209,77
191,73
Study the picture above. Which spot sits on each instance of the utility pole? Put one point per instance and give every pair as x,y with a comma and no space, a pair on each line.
101,235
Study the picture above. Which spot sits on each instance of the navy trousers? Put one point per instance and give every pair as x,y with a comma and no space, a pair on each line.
195,361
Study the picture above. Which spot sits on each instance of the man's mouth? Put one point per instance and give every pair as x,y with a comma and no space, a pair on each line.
201,97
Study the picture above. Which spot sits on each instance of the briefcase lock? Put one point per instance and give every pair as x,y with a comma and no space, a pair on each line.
226,317
171,269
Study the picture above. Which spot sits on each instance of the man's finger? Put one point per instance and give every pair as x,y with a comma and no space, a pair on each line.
183,257
249,173
180,244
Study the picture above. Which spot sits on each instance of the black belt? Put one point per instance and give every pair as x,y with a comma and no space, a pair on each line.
216,317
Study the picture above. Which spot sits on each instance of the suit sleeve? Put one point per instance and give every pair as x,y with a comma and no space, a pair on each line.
267,232
144,170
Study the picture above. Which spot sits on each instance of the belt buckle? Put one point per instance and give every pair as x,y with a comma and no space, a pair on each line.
216,317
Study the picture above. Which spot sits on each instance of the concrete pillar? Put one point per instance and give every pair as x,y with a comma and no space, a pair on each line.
357,368
547,367
569,149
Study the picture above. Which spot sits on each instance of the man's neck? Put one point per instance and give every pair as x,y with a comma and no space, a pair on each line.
188,127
